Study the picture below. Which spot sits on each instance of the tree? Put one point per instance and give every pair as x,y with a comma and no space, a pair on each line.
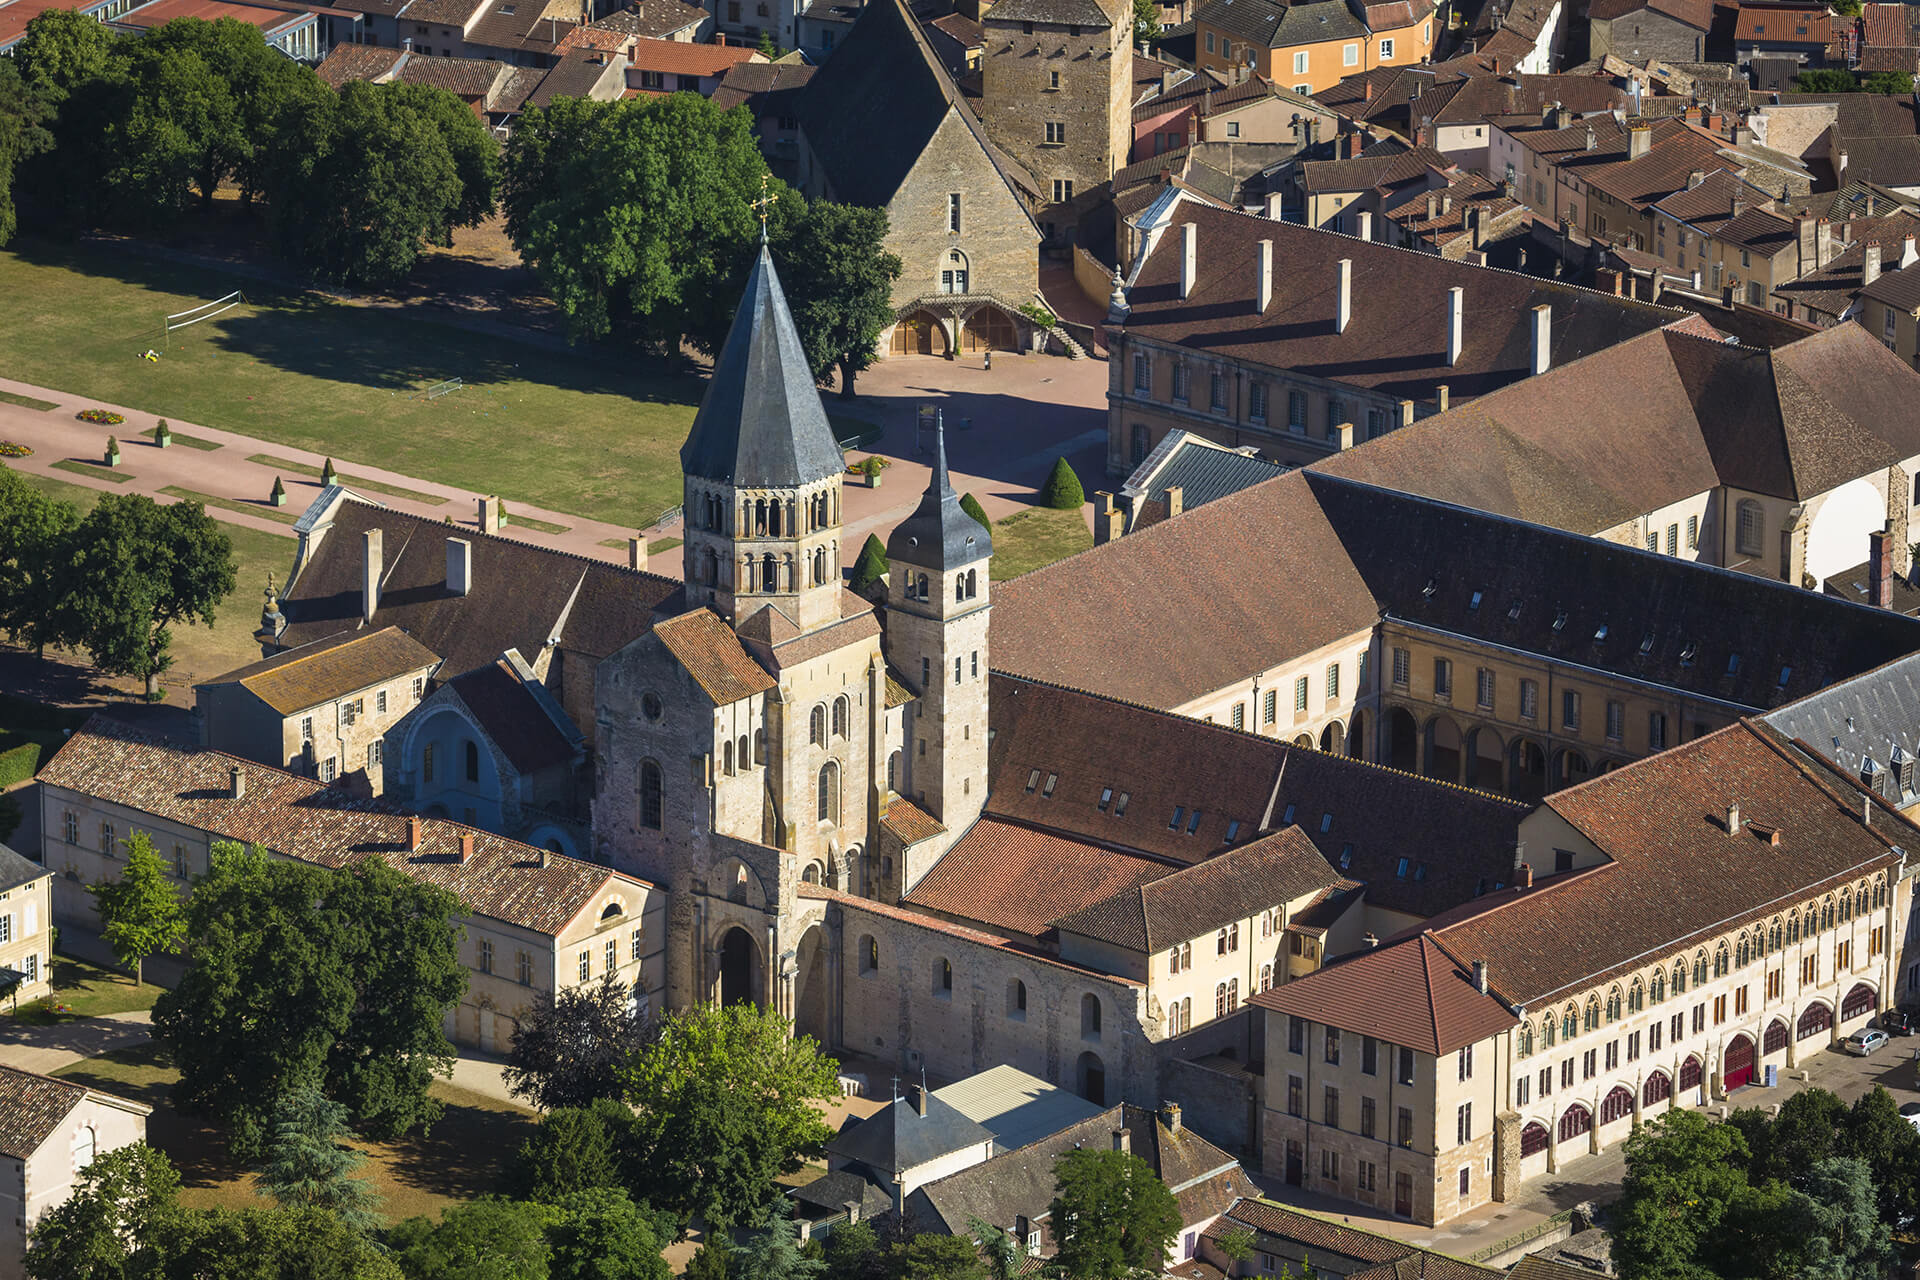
1003,1254
1112,1214
252,1244
363,179
1062,491
1878,1134
871,566
772,1252
106,1229
486,1239
571,1045
713,1260
574,1149
637,213
301,974
36,533
62,49
1235,1244
309,1165
724,1100
1146,21
1894,84
11,814
23,114
1682,1174
937,1257
603,1235
853,1252
145,569
1848,1238
971,505
838,278
1826,80
139,912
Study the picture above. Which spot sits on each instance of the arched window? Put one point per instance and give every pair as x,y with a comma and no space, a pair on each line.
1220,1000
1575,1121
1750,527
746,756
1017,1000
712,567
1617,1105
769,573
959,588
1657,1089
830,792
85,1144
1592,1021
1721,965
729,757
650,795
1700,967
869,954
1657,989
1690,1073
920,586
1793,928
953,272
840,716
773,519
1680,978
972,583
473,762
1826,914
1266,977
1879,894
1613,1005
1774,936
1524,1044
817,726
1533,1140
1090,1015
943,977
1570,1023
1548,1029
1742,953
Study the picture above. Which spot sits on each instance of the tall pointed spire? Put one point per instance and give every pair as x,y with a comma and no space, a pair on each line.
761,424
939,534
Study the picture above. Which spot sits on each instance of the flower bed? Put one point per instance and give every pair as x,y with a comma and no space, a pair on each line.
8,449
104,417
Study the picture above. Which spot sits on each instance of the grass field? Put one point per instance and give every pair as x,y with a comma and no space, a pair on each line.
87,991
200,653
26,402
290,467
465,1157
261,508
1028,540
585,434
184,442
98,470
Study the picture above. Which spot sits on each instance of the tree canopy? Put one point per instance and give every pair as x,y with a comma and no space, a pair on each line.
1062,490
571,1045
35,533
140,913
486,1239
1113,1216
301,975
838,278
309,1165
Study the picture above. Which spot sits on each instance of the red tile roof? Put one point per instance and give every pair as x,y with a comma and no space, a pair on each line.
1783,24
1412,993
1013,877
908,822
32,1106
677,57
345,63
707,647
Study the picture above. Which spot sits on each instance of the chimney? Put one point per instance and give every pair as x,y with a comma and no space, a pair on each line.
1542,338
459,566
466,846
236,783
1366,91
1189,258
637,553
917,1098
1406,413
1170,1116
1273,207
1880,569
1803,234
1480,976
1639,141
1343,310
1908,254
1823,242
1456,307
1366,225
370,567
1695,177
1446,203
546,857
1870,268
1840,170
1343,436
1263,296
1109,522
1526,875
1123,1140
1477,224
489,515
1356,142
1739,206
1866,810
1176,500
1433,207
1440,397
413,833
1733,819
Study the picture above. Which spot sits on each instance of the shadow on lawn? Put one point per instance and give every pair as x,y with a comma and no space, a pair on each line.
145,1074
468,1154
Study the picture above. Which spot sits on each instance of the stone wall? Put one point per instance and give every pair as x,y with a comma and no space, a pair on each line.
997,238
1646,34
1036,74
1219,1100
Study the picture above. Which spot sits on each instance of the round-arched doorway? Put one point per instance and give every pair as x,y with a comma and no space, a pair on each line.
739,968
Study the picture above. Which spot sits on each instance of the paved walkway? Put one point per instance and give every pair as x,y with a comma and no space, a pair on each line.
49,1048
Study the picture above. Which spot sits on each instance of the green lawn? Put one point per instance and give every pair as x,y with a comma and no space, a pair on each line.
466,1156
594,435
83,990
26,402
178,441
200,653
1028,540
312,472
98,470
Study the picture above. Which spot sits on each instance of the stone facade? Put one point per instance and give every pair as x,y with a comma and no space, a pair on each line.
1647,34
937,636
1056,97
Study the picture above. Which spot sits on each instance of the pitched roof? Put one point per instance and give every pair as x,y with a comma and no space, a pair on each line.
1782,24
1235,885
1697,14
709,650
16,870
1202,470
513,710
757,84
761,423
1382,170
682,58
1084,13
652,19
1272,24
467,77
1015,1107
898,1137
939,535
1874,717
1021,879
1394,340
908,822
32,1106
520,595
330,669
304,819
1412,993
1322,1237
349,62
1675,876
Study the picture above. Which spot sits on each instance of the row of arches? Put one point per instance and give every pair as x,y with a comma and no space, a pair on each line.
768,517
1479,758
924,333
820,721
1337,738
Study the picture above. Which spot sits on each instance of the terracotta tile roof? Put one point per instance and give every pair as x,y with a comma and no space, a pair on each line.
1322,1236
677,57
650,19
706,646
898,695
1235,885
908,822
32,1106
349,62
961,28
521,595
467,77
1015,878
1676,878
330,669
1782,24
857,622
518,25
1832,289
1381,171
1697,14
1413,993
1372,819
761,85
520,721
301,818
452,13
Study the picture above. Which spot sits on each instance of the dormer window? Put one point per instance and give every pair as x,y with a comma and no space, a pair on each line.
1326,823
1646,644
1179,816
1233,830
1473,605
1600,636
1106,795
1193,823
1120,805
1786,674
1046,792
1687,655
1033,780
1560,620
1513,612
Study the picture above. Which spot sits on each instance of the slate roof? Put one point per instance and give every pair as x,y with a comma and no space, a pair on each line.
1394,342
520,722
1898,288
1675,876
707,647
897,1137
1414,993
1052,876
520,596
304,819
1085,13
938,534
16,870
761,424
1272,24
1873,717
1235,885
1662,417
757,84
32,1106
1201,470
1362,172
330,669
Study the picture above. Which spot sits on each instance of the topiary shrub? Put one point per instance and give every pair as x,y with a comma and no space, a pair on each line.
279,495
971,505
871,566
328,475
1062,490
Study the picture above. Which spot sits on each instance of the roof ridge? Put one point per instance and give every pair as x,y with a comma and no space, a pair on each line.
347,497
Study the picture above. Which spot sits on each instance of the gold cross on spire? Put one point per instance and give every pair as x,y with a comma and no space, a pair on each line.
764,204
